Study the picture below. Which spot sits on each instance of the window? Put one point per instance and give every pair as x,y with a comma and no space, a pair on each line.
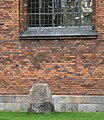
59,13
58,18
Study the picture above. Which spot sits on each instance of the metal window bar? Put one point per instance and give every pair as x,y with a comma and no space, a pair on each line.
53,13
40,6
59,13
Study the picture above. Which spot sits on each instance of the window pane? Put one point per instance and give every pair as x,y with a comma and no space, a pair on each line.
34,21
86,19
73,19
46,20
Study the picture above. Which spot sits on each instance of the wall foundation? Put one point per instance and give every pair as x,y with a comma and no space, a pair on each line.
62,103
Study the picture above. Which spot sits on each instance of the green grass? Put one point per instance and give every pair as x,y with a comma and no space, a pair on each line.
6,115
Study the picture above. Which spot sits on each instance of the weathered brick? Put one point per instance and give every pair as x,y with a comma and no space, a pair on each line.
69,65
81,73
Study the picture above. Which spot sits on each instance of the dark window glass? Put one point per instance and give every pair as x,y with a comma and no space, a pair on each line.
59,13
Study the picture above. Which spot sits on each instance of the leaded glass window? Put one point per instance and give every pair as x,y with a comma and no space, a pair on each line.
59,13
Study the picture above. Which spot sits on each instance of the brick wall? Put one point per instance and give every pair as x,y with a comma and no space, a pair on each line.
22,15
74,66
99,18
9,20
68,66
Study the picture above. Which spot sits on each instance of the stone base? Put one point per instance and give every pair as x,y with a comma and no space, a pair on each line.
68,103
62,103
14,103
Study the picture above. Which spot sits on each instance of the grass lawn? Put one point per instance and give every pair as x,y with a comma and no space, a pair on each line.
5,115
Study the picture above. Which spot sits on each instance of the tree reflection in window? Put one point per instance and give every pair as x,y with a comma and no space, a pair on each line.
59,13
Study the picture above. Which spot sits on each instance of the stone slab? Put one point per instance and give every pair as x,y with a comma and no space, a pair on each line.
87,107
1,106
61,98
14,98
97,99
57,107
71,107
72,99
65,107
21,99
24,106
12,106
99,107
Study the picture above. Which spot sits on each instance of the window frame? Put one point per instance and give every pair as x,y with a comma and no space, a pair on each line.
73,31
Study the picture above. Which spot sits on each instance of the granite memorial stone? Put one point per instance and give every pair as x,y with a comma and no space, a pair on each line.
41,99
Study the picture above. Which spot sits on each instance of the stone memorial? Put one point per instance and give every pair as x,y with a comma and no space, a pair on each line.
40,99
